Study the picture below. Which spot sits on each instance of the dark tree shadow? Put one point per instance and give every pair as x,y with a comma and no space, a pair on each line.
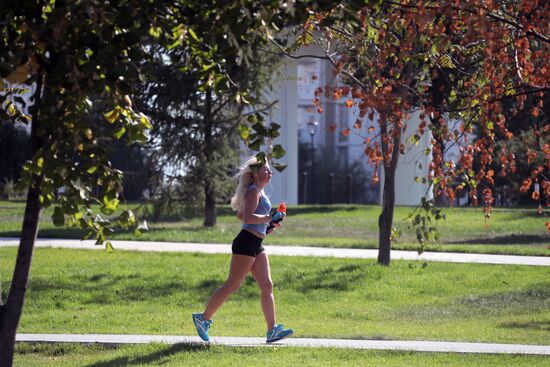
543,326
99,288
523,239
151,357
50,233
334,278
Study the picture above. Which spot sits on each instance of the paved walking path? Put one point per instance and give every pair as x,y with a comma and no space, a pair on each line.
291,251
417,346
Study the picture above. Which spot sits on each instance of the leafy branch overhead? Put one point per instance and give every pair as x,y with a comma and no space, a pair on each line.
85,59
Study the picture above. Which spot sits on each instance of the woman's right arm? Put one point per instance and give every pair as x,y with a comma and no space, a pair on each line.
250,203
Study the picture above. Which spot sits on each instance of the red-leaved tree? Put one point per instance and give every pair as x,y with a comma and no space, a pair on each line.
452,62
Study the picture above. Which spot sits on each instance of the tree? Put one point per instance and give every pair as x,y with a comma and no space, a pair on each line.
194,125
72,53
453,62
12,138
76,54
135,162
527,133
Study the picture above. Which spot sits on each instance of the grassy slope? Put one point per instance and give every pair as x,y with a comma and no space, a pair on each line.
510,231
154,293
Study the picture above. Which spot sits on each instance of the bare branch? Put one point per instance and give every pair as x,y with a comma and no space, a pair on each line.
330,58
518,26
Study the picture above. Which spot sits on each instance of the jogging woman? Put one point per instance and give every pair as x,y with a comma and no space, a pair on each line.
253,208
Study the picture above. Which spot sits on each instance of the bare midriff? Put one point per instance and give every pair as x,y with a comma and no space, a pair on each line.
255,233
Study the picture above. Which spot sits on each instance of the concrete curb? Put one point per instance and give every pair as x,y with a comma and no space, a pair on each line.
416,346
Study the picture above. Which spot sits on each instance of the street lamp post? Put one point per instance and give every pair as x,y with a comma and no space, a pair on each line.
312,128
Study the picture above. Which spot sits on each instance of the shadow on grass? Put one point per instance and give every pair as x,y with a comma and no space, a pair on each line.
49,233
335,278
525,301
533,325
151,358
534,298
107,289
518,239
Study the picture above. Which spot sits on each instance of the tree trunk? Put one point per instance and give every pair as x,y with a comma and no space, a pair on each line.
385,221
209,189
10,312
209,206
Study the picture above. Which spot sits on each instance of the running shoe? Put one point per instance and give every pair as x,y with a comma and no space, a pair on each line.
277,333
202,326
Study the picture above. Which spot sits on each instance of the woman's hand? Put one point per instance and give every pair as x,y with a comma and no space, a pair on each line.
275,226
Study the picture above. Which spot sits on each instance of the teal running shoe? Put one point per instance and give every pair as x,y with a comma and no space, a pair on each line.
202,326
277,333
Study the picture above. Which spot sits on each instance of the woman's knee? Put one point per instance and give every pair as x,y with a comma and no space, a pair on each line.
266,286
232,286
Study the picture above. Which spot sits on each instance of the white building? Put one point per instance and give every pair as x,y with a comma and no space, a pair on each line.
294,91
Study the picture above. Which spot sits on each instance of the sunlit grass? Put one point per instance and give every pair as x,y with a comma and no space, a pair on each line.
78,291
509,231
64,355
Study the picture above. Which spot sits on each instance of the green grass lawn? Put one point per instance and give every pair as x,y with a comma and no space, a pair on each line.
78,291
509,231
207,356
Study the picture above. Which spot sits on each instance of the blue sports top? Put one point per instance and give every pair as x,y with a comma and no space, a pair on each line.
263,208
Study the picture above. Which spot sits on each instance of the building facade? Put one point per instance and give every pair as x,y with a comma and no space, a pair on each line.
294,90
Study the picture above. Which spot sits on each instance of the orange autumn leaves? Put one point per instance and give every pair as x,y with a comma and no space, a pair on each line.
464,53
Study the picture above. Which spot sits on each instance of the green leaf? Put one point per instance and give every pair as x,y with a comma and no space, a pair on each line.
109,247
141,228
58,217
280,166
112,116
155,32
127,219
446,62
244,131
145,121
193,34
261,157
120,133
109,206
255,145
274,130
433,49
260,129
252,118
278,152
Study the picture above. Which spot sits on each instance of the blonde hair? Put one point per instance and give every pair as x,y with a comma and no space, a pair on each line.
244,178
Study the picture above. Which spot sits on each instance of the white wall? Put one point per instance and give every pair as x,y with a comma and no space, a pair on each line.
284,185
407,190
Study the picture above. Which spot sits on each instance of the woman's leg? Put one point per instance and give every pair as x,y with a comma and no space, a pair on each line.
239,268
262,274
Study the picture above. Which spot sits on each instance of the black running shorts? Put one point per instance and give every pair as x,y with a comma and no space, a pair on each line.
247,244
